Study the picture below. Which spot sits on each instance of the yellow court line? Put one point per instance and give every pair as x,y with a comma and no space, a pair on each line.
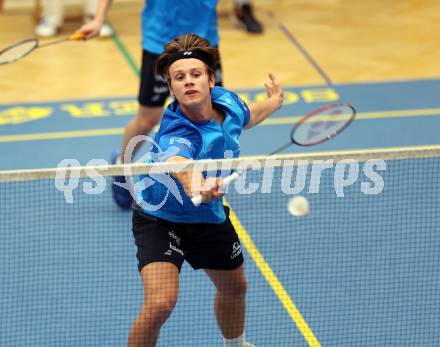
365,115
61,135
269,121
274,283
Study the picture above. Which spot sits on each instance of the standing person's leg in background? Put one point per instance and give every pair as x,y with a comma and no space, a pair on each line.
90,7
153,92
245,15
51,19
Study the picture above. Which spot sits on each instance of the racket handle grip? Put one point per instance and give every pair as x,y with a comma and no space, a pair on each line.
197,200
228,180
77,37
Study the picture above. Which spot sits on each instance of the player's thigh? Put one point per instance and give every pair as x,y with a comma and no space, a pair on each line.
229,282
161,283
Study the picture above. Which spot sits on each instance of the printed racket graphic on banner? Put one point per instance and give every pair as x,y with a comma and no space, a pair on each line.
314,128
23,48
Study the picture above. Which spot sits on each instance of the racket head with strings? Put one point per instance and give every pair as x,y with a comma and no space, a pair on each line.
17,51
322,124
316,127
21,49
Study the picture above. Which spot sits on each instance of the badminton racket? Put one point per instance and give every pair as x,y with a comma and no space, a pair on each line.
23,48
314,128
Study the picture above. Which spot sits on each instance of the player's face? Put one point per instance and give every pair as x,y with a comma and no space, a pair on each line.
190,82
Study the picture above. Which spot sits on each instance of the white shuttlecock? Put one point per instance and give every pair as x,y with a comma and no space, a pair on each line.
298,206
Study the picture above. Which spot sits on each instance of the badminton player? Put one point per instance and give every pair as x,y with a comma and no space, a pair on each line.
204,122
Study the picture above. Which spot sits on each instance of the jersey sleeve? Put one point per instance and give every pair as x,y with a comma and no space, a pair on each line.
232,103
244,113
179,140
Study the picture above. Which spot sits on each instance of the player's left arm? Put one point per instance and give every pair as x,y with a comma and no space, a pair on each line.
259,111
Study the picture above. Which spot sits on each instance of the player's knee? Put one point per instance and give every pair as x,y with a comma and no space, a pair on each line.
235,291
144,124
241,288
158,309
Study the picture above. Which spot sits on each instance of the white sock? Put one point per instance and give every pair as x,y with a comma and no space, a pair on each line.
236,342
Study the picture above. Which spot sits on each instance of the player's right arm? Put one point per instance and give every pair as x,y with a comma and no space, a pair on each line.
195,184
92,28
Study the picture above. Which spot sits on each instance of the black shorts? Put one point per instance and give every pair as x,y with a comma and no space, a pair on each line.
153,90
203,246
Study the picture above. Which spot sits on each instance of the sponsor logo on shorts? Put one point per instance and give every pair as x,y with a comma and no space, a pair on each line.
159,78
174,236
236,250
175,249
160,90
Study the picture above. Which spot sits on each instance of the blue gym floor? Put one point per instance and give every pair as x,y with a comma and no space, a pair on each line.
345,303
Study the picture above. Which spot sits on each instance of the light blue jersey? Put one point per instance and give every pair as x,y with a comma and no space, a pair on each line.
164,20
162,195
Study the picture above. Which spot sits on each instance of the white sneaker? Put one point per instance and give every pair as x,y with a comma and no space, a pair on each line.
46,28
106,29
248,344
